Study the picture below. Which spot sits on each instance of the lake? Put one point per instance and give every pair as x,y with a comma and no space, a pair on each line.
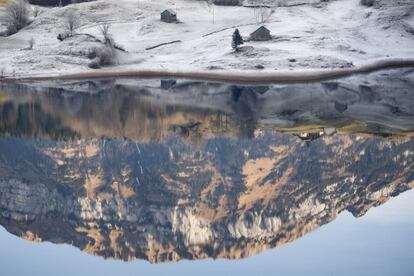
154,177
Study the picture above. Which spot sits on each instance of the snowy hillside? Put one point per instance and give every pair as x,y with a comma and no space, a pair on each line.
334,34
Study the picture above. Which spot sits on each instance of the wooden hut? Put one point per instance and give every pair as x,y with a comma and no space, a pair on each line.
261,34
169,16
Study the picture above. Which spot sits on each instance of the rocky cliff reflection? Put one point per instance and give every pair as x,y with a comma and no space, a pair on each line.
200,171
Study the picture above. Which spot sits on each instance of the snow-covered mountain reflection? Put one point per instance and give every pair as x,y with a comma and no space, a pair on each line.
200,170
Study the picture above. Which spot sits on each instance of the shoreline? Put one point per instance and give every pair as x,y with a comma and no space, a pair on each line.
279,77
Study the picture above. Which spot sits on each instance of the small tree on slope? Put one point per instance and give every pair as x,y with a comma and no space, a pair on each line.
16,16
71,21
237,40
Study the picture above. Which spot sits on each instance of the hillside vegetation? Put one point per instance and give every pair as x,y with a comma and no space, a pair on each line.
320,35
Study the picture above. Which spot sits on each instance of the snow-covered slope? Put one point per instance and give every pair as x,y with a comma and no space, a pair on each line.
334,34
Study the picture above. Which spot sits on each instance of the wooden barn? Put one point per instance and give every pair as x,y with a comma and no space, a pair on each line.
169,16
261,34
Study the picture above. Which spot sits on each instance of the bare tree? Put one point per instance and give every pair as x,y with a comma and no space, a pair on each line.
71,21
36,12
104,30
31,43
210,4
262,14
105,54
16,16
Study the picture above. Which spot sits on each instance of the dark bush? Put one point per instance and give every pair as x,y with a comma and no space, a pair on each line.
63,36
94,64
227,2
101,56
55,3
92,53
367,3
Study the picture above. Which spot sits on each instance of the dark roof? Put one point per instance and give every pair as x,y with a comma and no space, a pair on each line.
170,12
261,29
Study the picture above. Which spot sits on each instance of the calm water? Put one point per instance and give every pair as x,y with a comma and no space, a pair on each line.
129,177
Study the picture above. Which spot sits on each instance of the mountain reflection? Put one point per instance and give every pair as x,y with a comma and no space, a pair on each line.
201,170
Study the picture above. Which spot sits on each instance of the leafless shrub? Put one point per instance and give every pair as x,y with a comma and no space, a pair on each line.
92,52
31,43
71,21
16,16
94,64
2,73
106,55
101,56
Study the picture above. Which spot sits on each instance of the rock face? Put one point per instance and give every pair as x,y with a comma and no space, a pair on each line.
169,201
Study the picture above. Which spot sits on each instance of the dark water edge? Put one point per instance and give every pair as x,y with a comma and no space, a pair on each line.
173,170
246,78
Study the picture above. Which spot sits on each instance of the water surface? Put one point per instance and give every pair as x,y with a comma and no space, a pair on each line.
149,176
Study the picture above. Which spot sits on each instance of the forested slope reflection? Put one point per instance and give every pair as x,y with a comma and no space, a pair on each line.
381,104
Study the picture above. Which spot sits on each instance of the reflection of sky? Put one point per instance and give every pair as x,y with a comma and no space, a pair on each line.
379,243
